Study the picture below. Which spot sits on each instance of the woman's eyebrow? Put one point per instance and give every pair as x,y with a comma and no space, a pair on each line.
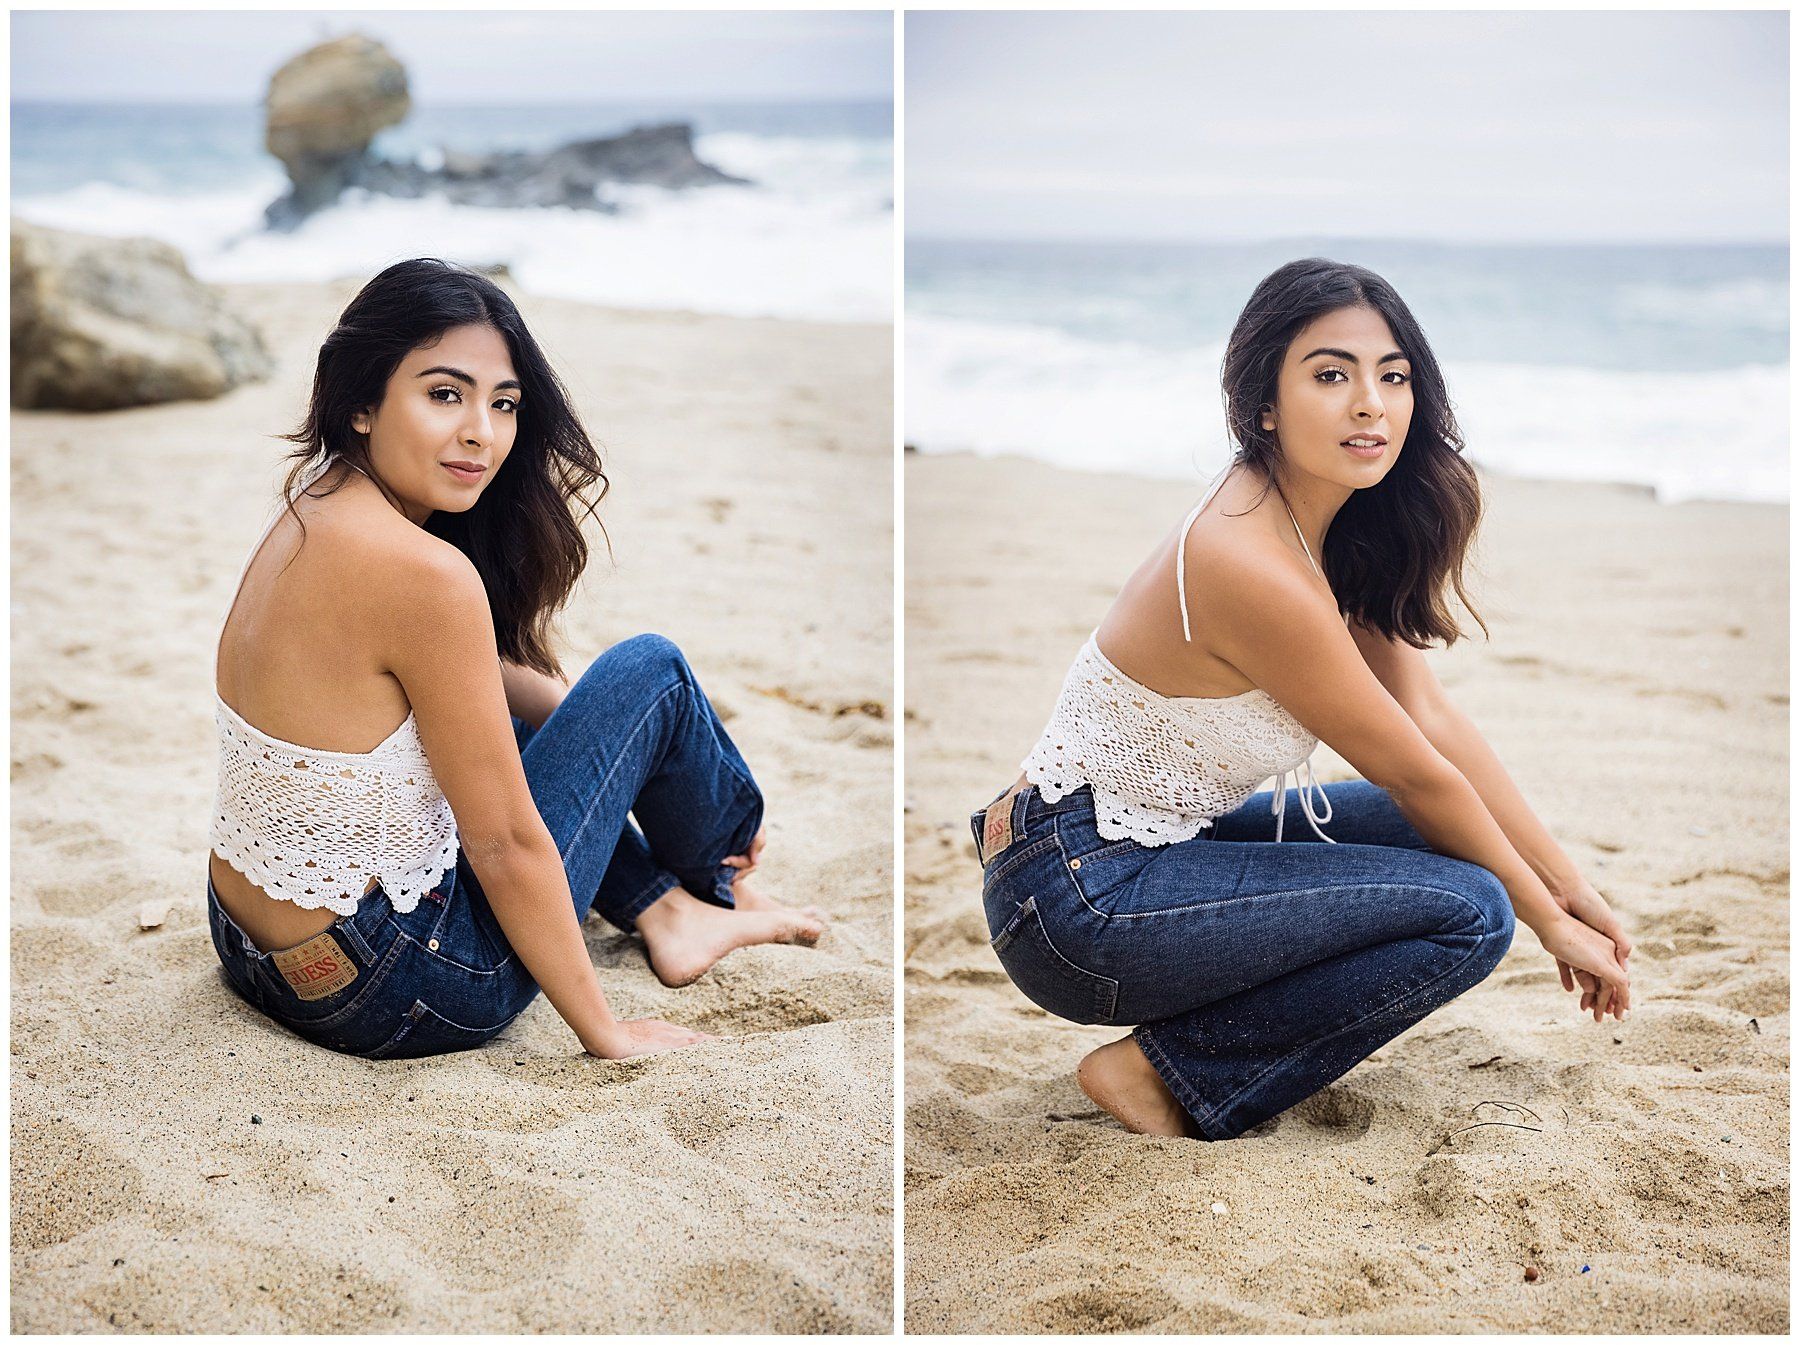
1346,355
459,374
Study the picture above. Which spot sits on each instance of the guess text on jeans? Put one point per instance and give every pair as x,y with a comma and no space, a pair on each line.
317,968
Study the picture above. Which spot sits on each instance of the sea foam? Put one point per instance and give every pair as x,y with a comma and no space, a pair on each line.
997,388
812,240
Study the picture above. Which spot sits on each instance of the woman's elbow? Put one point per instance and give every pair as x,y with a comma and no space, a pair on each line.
1417,778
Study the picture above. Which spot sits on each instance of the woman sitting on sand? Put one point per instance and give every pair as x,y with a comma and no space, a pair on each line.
1130,875
410,897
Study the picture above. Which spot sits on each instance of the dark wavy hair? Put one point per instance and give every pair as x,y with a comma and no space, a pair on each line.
523,533
1394,549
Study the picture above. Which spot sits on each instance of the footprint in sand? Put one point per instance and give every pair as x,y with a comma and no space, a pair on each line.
1339,1109
778,1009
1682,919
1097,1308
1761,994
758,1295
1682,1036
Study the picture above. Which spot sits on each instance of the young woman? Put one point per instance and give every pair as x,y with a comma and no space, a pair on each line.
1130,875
415,807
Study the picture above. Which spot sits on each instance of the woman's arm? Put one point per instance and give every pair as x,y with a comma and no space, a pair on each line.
1409,679
531,695
438,634
1272,622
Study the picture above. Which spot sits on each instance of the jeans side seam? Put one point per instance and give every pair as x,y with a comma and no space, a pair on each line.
689,681
619,758
1293,892
1191,1101
1339,1031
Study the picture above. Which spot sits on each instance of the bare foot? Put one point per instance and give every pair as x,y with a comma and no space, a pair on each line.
685,935
1119,1078
749,899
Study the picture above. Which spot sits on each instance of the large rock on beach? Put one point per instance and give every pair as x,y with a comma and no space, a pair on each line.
323,109
104,323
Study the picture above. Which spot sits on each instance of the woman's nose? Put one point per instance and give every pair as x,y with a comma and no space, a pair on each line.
480,428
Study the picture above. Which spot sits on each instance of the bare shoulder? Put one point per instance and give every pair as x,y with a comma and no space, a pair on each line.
1237,569
398,579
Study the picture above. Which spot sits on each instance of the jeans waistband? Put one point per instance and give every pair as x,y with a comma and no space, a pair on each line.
1028,803
1036,805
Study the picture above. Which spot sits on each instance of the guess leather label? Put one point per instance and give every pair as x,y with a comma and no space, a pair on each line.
996,827
317,968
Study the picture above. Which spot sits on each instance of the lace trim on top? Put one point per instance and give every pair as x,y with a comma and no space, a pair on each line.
1163,767
312,826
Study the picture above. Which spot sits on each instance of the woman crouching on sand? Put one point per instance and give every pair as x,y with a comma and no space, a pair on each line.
411,897
1130,875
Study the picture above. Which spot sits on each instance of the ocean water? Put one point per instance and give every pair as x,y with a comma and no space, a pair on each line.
814,239
1659,366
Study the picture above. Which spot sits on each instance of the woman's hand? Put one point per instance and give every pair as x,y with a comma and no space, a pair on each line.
1581,901
1582,948
643,1036
745,863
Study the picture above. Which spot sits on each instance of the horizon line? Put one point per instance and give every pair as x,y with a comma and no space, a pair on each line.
65,100
1268,240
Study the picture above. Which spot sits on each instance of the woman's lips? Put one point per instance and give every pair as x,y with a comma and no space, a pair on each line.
462,474
1364,450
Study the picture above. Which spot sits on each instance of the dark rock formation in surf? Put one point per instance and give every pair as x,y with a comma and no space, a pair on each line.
326,106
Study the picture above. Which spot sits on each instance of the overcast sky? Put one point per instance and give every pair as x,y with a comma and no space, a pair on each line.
1538,126
461,57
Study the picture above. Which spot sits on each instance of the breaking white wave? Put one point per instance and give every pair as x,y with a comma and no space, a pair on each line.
812,240
998,388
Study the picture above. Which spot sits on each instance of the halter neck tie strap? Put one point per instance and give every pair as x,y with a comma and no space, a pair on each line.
1187,525
1302,536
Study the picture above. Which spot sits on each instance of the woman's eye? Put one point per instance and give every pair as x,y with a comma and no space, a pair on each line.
511,405
1397,376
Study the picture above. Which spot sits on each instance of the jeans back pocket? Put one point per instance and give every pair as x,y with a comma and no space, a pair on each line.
423,1031
1047,978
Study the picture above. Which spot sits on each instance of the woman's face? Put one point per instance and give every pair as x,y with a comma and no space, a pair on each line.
453,402
1343,380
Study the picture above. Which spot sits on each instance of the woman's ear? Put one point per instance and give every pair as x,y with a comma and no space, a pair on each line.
1268,416
359,421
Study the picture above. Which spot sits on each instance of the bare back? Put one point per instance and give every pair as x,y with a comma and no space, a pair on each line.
303,658
1141,632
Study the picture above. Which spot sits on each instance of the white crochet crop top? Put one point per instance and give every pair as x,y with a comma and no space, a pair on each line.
311,826
1161,768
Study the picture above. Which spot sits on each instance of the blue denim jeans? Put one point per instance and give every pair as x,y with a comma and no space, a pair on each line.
634,737
1255,972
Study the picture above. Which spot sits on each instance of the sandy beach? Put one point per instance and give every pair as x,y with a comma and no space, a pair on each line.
181,1164
1637,688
